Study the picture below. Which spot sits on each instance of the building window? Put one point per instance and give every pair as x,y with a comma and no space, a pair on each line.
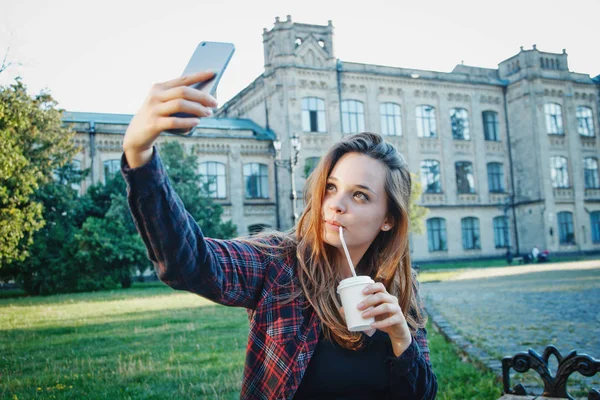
465,179
426,125
436,234
390,119
470,233
212,177
309,165
566,234
501,238
353,116
430,176
554,122
590,168
559,172
459,120
595,221
585,121
111,168
495,173
490,126
313,115
256,179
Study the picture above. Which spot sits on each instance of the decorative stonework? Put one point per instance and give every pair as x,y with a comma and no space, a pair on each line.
353,88
427,94
391,91
498,198
584,96
592,194
463,146
494,147
588,143
563,195
556,141
489,99
468,198
253,149
312,84
109,145
259,210
458,97
433,199
210,148
553,93
315,141
429,145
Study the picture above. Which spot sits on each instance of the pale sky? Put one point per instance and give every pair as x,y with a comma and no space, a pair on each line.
103,56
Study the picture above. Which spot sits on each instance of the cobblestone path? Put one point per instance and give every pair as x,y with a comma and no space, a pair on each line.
499,312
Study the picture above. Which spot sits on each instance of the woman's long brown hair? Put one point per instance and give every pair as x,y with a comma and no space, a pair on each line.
388,258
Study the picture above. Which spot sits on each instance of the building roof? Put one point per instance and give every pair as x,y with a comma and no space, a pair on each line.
227,124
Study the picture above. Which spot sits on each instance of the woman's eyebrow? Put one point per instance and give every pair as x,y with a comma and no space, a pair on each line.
365,187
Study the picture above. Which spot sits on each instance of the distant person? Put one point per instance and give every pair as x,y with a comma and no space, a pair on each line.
535,252
299,346
544,256
509,256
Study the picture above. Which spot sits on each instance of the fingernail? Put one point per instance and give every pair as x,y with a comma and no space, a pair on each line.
209,111
366,290
360,305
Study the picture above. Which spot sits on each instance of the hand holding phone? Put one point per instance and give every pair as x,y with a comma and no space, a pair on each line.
208,56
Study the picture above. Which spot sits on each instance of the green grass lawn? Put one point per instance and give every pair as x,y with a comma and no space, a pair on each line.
151,342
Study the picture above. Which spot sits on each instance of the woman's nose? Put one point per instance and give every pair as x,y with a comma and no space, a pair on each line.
336,205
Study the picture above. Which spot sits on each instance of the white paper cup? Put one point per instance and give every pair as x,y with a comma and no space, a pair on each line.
350,291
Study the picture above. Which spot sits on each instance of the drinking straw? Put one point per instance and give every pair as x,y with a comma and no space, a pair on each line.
346,251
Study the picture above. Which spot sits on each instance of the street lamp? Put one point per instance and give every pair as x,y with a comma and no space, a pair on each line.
290,165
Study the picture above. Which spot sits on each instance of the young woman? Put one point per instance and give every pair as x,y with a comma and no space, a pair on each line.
298,346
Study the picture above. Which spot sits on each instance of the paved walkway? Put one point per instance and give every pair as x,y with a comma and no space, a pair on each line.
499,312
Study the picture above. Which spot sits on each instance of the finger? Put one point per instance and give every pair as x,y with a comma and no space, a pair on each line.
386,323
187,93
374,288
186,106
376,299
382,309
188,80
170,123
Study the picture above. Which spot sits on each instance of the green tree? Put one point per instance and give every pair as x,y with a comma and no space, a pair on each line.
182,170
33,144
416,212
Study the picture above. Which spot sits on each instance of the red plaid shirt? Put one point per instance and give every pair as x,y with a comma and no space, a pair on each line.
282,337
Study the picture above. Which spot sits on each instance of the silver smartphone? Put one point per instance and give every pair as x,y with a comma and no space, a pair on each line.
208,56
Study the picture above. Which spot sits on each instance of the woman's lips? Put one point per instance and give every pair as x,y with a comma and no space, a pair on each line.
333,225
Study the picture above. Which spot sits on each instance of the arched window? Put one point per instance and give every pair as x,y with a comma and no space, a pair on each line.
436,234
595,222
111,168
585,121
309,165
390,119
495,173
459,121
470,233
490,126
465,178
590,173
256,179
566,233
353,116
313,115
213,179
559,172
430,176
501,236
426,124
554,121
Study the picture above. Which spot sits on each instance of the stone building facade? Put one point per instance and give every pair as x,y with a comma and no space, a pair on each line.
507,157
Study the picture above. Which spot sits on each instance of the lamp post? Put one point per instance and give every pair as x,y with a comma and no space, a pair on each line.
290,165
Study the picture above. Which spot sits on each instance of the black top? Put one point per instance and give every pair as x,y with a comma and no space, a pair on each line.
335,373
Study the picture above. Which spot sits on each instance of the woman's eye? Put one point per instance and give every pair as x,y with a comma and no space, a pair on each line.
361,196
330,186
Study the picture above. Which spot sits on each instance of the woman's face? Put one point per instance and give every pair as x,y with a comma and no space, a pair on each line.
355,198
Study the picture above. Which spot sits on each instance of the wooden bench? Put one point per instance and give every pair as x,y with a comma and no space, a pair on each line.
519,260
554,386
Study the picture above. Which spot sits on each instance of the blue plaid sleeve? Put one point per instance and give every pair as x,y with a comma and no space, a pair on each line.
227,272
